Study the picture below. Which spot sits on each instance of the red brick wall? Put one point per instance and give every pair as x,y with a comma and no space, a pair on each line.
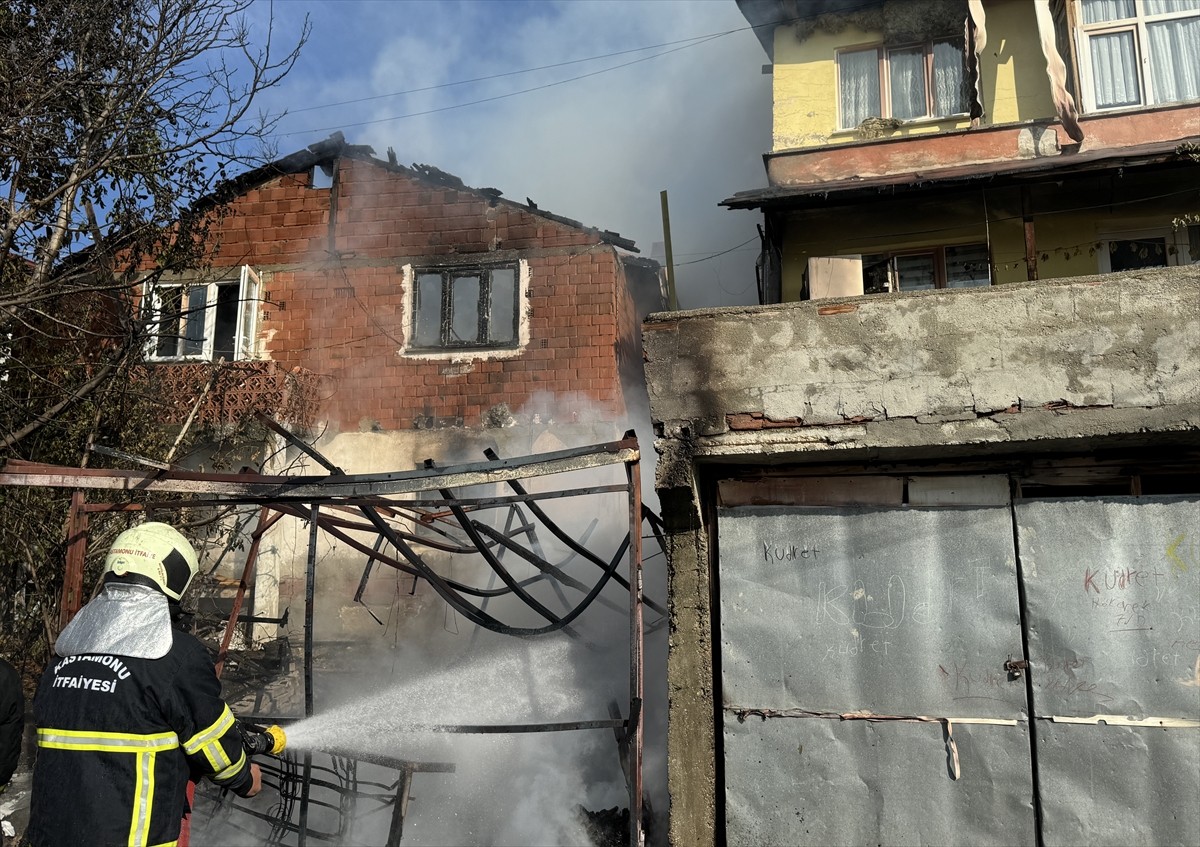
341,313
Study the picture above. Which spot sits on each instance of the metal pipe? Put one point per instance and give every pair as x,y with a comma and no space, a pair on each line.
636,650
568,540
309,596
251,558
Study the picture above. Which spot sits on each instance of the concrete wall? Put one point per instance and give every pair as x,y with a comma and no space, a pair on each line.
935,368
1010,369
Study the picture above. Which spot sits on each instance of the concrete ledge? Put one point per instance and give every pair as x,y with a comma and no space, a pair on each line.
1087,357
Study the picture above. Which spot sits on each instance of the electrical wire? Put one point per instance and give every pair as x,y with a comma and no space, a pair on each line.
507,95
504,74
715,255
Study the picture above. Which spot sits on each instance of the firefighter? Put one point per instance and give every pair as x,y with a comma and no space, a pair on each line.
129,708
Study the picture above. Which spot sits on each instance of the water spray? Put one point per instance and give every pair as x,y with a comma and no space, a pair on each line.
259,740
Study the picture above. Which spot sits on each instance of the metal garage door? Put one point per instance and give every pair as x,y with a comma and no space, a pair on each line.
865,692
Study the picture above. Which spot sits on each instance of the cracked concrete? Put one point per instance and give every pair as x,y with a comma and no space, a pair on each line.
1033,368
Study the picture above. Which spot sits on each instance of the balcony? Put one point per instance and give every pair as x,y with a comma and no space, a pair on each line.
228,392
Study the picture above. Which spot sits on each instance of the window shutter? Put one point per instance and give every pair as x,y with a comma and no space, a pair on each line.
245,342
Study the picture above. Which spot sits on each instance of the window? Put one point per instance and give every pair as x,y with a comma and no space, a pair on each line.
204,321
1130,249
918,81
1140,52
962,266
460,308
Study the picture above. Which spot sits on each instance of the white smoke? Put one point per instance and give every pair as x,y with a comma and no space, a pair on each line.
694,122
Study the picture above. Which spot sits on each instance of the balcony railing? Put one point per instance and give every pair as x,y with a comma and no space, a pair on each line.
226,393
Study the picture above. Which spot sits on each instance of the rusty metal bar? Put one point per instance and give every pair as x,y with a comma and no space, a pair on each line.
540,563
264,523
310,586
566,539
72,590
400,810
634,733
308,488
495,564
469,503
362,583
502,729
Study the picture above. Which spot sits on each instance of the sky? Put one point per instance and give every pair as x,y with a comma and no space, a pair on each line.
598,139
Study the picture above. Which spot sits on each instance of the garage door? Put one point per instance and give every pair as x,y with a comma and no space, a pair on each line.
872,680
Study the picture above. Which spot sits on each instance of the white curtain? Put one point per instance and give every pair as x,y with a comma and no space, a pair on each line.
1098,11
1114,69
1164,7
1175,59
949,96
907,71
858,74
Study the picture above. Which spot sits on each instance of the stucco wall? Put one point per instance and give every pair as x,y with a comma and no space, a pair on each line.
805,84
952,367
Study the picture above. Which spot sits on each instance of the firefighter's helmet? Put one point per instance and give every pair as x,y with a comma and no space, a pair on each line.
157,551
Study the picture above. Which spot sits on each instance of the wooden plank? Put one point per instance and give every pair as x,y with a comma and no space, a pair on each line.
975,490
813,491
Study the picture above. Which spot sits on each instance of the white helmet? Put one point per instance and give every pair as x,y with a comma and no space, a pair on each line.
158,551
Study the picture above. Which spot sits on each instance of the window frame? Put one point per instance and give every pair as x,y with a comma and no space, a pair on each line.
941,276
883,53
484,340
1137,25
246,319
1175,243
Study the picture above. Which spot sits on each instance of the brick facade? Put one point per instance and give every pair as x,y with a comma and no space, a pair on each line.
332,263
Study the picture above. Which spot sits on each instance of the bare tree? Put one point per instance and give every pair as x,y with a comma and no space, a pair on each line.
119,119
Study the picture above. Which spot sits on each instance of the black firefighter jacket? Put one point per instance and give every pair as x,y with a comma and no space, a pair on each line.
117,739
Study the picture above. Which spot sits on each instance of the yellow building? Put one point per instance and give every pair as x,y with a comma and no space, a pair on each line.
951,143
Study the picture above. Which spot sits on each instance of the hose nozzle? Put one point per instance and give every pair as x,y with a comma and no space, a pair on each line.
257,740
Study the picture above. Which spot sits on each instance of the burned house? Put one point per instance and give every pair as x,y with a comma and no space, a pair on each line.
392,314
415,403
934,508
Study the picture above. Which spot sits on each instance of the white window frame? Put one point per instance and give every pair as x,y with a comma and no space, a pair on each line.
245,340
463,354
1175,241
1145,74
883,62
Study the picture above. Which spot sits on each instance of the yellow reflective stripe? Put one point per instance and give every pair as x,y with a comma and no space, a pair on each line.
232,770
143,796
106,742
211,733
218,759
166,844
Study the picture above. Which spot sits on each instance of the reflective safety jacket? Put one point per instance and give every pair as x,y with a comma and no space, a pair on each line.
118,738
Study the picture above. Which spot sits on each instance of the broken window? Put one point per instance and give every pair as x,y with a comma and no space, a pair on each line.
465,307
203,321
1140,52
904,83
960,266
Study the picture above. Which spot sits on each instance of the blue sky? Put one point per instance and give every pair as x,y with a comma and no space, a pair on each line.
694,121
